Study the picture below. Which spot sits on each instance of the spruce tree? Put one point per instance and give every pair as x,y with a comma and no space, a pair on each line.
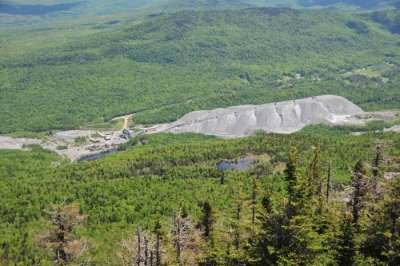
159,235
359,190
328,182
346,242
237,235
382,232
291,178
375,168
269,235
207,220
314,173
254,201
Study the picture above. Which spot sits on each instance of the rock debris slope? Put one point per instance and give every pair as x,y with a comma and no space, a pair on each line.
281,117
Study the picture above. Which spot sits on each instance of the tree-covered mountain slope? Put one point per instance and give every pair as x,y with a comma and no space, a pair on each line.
102,7
388,19
162,68
76,8
158,176
333,5
205,4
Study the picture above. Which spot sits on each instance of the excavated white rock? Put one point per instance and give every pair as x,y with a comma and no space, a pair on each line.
281,117
395,128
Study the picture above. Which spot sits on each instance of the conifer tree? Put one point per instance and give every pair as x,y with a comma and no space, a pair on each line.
302,230
382,232
222,178
375,168
269,235
254,201
346,242
207,220
359,190
314,173
291,178
159,235
328,181
184,212
237,238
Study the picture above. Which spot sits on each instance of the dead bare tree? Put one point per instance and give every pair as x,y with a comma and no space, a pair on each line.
159,235
359,192
136,250
186,240
62,240
376,164
328,182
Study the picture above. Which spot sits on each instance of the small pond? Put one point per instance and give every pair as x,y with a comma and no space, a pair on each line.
242,165
96,155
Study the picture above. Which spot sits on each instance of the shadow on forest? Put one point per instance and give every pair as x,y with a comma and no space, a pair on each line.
368,4
36,10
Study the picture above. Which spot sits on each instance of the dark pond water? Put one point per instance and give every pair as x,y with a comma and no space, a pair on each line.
241,165
35,10
96,155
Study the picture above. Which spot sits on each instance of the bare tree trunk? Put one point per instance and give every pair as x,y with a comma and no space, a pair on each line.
178,241
254,201
62,240
237,233
138,259
158,252
253,208
146,251
328,182
375,169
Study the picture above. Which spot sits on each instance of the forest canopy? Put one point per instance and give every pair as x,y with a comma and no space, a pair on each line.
128,193
167,66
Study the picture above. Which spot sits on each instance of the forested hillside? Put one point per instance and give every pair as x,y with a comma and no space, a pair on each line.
205,4
59,77
326,195
300,206
388,19
77,8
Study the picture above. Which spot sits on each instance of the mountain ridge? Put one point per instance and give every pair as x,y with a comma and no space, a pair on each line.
167,66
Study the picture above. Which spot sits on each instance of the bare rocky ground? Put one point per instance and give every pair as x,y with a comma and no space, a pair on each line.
16,143
238,121
74,144
394,129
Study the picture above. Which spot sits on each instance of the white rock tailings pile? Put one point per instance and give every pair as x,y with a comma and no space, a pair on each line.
395,128
281,117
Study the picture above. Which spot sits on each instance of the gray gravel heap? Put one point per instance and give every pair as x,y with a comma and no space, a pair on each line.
281,117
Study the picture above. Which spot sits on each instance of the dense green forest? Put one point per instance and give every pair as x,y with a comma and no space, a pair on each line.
321,196
63,76
56,8
19,163
308,207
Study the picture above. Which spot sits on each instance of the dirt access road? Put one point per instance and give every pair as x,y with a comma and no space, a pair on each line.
126,120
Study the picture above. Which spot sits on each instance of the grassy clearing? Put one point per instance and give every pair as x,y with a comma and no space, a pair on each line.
116,124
